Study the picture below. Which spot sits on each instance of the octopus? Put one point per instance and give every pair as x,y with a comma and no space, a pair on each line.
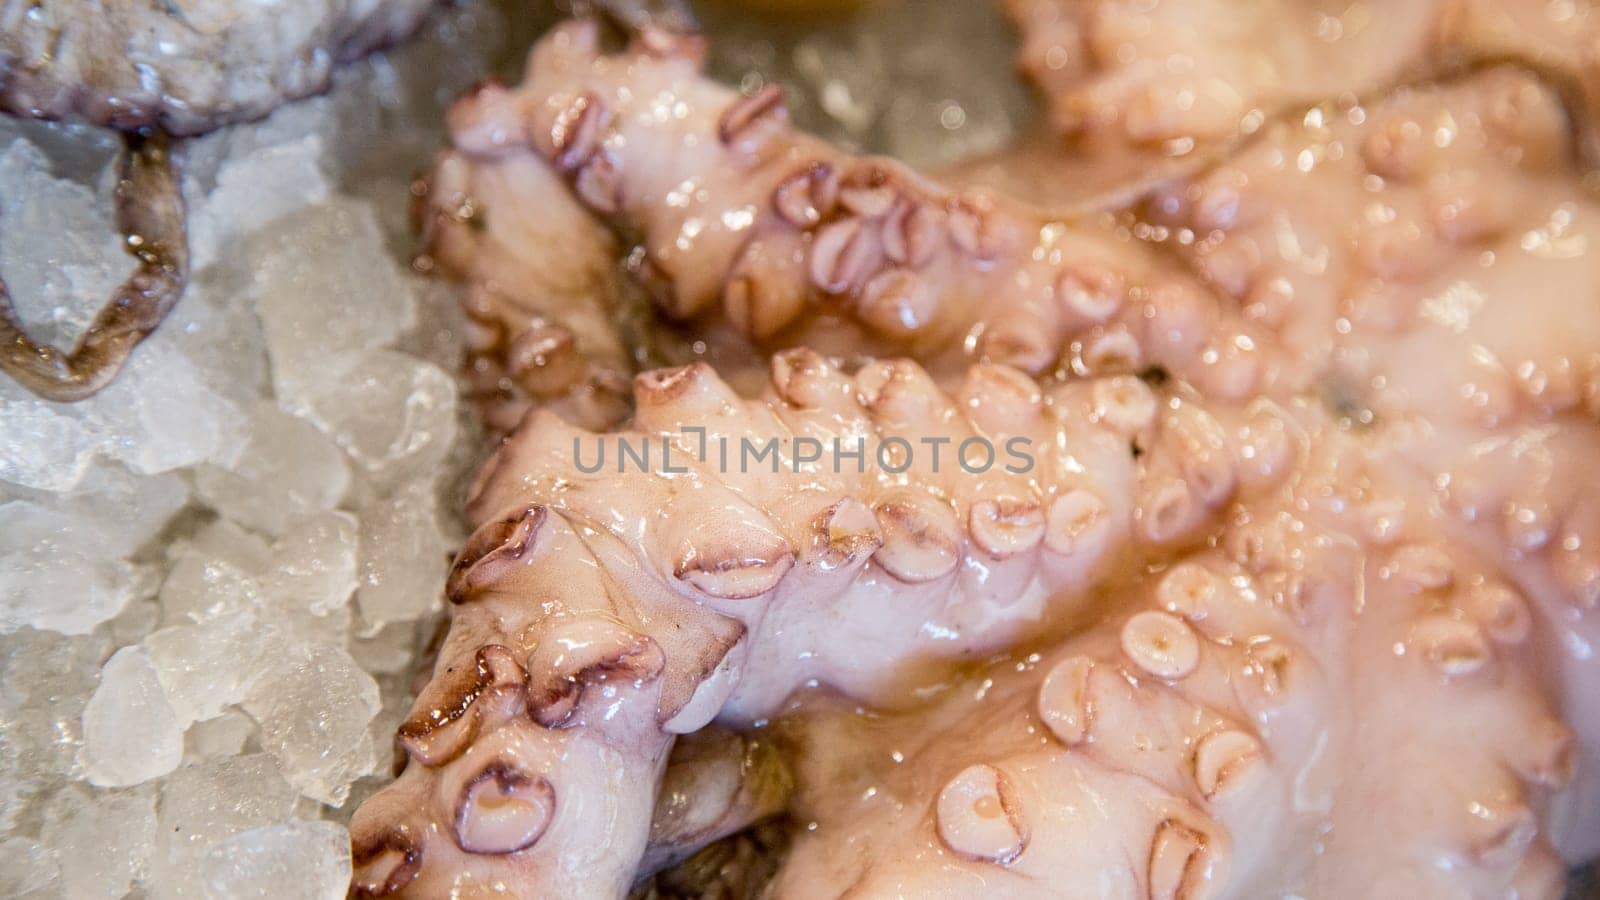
1180,81
154,71
1236,540
184,68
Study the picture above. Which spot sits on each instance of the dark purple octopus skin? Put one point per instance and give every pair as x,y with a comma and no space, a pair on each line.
1299,661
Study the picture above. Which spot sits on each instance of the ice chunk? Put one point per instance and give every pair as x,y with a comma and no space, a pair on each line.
45,681
254,190
206,668
394,414
295,290
232,600
71,546
60,254
47,560
158,415
130,733
297,860
389,650
214,573
314,566
223,736
41,446
404,556
27,869
101,839
161,413
288,470
205,803
216,329
324,286
140,617
119,512
313,710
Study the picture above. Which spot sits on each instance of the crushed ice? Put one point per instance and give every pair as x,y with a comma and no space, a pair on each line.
216,575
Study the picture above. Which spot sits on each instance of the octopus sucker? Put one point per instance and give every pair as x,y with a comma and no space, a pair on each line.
150,216
1445,221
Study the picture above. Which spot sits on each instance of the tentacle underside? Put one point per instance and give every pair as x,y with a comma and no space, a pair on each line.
1289,650
1168,81
599,615
541,330
744,223
1451,317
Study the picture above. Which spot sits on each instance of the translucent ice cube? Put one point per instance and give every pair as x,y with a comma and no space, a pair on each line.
404,556
206,668
101,839
314,565
288,470
298,860
254,190
324,286
393,413
223,736
27,870
130,732
60,254
203,804
313,710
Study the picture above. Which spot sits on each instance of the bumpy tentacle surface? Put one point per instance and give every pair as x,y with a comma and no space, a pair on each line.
149,204
598,614
1441,283
741,220
1229,708
1307,632
543,329
1324,702
1172,79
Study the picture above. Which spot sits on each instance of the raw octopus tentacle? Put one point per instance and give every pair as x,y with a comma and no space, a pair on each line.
1326,704
1455,327
184,70
1169,79
541,332
718,782
1295,674
597,615
149,211
742,220
1459,169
